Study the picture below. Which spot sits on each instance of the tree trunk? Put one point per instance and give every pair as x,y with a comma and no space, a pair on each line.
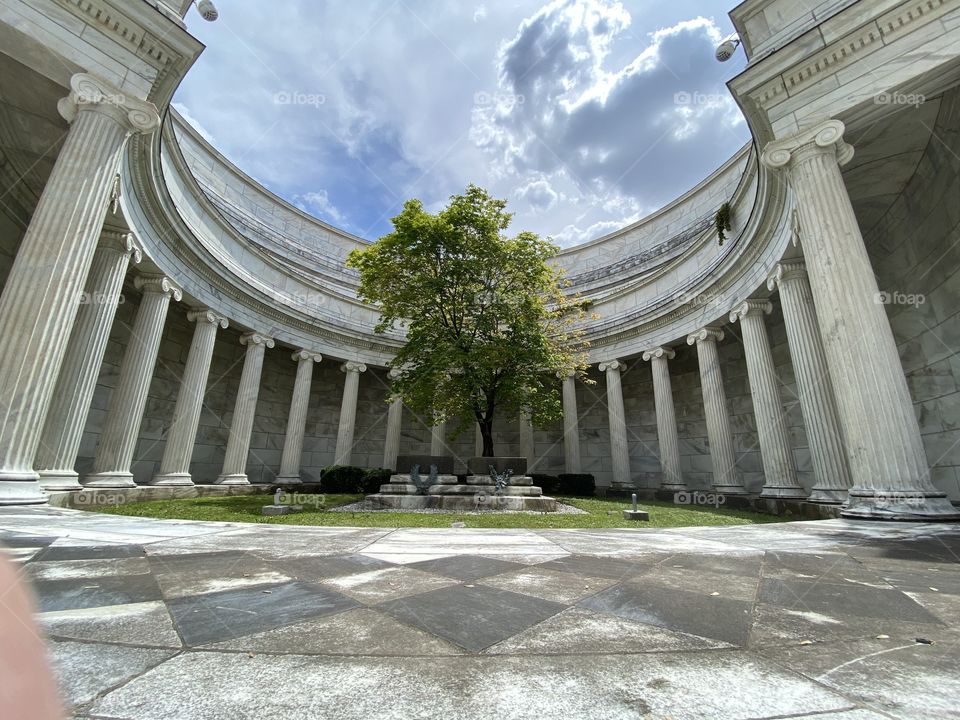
486,432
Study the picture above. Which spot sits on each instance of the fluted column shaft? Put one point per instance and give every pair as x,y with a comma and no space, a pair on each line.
348,412
297,421
666,418
817,401
118,441
619,450
526,440
438,440
887,459
719,433
391,446
182,435
39,300
70,403
780,477
244,410
571,424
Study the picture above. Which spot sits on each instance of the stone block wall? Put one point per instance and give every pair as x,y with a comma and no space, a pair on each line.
915,252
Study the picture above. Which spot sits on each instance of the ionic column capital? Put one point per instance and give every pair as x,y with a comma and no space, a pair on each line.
255,338
90,93
786,270
303,355
659,352
394,373
611,365
207,315
122,242
159,284
753,308
710,333
354,367
825,137
563,374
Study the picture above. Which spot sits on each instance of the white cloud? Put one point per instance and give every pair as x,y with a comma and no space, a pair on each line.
318,203
480,13
539,194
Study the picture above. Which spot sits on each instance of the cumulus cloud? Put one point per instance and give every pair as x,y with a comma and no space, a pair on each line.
566,108
639,134
539,194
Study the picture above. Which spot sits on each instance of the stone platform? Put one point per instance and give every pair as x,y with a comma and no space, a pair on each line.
476,494
180,620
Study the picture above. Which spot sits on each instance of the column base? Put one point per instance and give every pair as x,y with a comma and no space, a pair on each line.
234,479
289,480
899,505
828,496
60,480
783,492
730,490
172,479
673,487
109,480
21,488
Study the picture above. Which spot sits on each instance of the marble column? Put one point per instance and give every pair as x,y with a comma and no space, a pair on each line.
438,440
348,412
817,401
297,420
70,403
571,423
391,447
666,419
619,450
719,433
118,441
780,476
527,449
891,478
182,435
39,300
244,410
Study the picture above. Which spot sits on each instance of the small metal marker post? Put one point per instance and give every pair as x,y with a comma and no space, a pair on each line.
635,514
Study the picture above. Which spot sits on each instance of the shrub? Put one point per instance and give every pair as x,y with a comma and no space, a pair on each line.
341,479
549,483
576,484
373,478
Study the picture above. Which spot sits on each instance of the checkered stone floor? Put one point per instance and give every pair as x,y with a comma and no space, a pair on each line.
153,620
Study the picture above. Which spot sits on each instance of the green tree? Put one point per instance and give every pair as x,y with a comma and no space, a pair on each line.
488,325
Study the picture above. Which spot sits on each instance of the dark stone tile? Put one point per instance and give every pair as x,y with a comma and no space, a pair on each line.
25,541
744,566
320,567
924,580
89,552
834,567
601,567
846,598
220,616
77,593
942,549
473,618
679,610
466,567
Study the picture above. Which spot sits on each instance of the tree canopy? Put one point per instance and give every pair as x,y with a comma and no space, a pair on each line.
488,324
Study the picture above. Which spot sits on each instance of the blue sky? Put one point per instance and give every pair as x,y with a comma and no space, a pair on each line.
585,114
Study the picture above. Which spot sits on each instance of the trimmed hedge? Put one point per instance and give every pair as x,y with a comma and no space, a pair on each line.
373,478
352,479
549,483
576,484
341,479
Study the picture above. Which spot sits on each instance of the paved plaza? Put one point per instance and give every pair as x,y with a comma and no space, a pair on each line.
152,619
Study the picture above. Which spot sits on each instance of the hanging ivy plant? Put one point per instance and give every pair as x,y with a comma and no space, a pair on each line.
722,220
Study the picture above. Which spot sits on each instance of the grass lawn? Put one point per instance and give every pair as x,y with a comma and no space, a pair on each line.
602,513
